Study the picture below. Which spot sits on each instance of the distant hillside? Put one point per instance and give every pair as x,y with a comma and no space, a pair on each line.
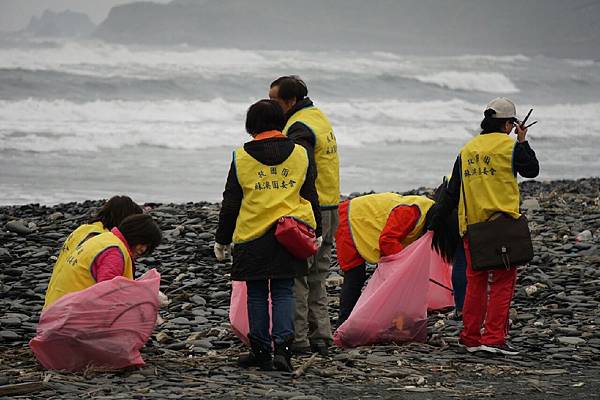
61,24
553,27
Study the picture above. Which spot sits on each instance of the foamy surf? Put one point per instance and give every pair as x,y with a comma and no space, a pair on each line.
58,125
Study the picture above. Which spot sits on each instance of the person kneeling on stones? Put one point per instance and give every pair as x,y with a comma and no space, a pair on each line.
115,210
105,256
370,227
270,177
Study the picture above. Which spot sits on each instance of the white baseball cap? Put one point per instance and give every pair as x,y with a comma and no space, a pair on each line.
504,108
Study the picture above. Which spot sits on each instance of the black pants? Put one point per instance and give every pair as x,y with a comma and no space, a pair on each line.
354,280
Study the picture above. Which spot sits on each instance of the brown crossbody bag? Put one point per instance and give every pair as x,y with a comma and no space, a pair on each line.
499,243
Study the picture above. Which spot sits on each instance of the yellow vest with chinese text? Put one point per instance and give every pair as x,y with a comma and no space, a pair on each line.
77,237
369,214
74,274
270,192
488,182
326,156
73,240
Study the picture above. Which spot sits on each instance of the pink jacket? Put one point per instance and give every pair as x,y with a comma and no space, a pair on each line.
111,262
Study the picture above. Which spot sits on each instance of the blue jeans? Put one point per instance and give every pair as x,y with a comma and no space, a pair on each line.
282,299
459,276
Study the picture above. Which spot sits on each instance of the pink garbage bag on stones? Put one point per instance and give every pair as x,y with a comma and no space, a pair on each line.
393,307
104,325
238,311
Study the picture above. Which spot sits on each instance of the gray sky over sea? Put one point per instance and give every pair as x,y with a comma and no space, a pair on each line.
15,14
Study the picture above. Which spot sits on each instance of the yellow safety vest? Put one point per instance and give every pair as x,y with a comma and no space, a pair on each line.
326,155
77,237
73,240
369,214
74,274
270,192
488,184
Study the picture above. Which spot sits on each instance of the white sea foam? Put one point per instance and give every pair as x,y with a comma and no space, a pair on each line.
491,82
510,59
61,126
97,58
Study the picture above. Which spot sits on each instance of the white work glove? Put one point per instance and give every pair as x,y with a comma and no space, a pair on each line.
222,251
163,300
319,241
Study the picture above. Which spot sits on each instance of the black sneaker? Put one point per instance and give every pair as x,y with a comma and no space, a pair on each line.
505,349
470,349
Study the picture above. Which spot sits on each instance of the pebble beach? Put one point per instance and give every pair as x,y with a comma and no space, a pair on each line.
555,317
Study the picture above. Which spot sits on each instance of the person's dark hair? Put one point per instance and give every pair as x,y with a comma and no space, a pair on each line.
115,210
141,229
290,87
264,115
489,124
445,232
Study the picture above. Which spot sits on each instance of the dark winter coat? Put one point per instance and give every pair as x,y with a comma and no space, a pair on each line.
264,257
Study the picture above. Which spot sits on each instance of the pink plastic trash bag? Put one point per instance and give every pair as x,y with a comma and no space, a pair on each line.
104,325
393,306
238,311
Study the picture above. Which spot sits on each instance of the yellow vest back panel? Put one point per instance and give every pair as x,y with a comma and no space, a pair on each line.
270,192
326,155
74,274
369,214
489,184
73,240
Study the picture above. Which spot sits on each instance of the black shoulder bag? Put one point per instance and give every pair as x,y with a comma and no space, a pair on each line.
499,243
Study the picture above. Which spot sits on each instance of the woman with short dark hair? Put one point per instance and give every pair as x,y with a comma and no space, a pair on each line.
270,177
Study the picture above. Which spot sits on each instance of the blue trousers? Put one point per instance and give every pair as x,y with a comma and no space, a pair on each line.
459,277
282,321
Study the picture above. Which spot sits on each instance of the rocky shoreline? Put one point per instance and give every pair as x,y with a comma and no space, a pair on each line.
555,317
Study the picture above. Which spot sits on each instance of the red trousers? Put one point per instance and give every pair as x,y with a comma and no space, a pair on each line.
487,303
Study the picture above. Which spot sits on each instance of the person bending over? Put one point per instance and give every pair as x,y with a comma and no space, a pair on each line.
370,227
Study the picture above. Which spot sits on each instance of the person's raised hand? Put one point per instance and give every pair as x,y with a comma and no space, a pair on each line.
521,132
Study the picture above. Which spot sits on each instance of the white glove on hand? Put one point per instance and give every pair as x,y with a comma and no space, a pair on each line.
163,300
222,251
319,241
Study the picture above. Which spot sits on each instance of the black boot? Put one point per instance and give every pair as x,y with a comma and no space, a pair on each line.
282,361
257,357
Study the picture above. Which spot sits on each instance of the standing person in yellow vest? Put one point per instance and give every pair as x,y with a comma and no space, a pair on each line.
270,177
105,256
373,226
109,216
484,183
307,126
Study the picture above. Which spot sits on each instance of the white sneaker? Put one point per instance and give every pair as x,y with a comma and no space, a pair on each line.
470,349
505,349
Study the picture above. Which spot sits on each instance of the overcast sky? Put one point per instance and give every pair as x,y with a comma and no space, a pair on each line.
15,14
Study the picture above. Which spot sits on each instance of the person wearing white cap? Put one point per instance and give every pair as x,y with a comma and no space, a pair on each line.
483,183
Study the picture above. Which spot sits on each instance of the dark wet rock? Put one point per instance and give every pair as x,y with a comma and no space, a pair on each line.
6,336
18,227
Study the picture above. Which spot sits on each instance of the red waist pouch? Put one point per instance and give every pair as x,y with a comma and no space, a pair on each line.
297,237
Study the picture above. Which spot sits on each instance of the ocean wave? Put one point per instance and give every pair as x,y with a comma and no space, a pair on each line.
510,59
96,58
490,82
63,126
